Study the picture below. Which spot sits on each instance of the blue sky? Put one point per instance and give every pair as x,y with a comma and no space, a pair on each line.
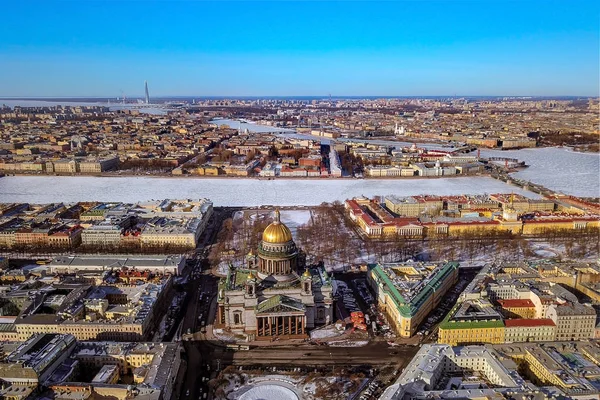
227,48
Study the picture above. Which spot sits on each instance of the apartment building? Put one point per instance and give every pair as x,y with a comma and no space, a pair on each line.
472,322
172,264
517,308
407,292
414,206
179,233
96,166
529,330
471,372
573,321
107,233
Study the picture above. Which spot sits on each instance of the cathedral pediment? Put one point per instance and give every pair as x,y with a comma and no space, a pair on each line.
280,304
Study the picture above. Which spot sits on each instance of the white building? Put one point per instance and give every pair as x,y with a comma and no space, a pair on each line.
422,376
172,264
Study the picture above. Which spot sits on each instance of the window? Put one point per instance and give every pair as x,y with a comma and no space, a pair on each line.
237,318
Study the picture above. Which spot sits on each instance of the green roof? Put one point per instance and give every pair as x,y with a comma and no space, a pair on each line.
410,308
241,276
471,324
280,303
7,328
447,323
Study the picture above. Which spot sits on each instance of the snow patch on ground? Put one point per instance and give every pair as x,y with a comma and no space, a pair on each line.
544,250
295,218
349,343
268,392
226,337
223,268
326,332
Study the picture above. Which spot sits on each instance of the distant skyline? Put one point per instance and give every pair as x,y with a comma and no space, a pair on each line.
286,48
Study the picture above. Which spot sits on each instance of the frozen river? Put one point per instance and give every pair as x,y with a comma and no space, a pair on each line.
290,133
559,169
233,191
252,127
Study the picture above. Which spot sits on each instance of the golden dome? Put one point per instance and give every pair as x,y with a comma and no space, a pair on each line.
277,232
306,273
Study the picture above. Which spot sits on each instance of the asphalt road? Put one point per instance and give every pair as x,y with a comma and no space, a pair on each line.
373,354
197,354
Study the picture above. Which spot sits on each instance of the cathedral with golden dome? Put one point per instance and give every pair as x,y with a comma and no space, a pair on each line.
274,295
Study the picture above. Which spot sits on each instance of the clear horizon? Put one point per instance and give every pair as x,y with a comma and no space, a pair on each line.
269,49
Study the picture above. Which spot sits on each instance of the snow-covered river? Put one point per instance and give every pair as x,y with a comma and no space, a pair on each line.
559,169
233,191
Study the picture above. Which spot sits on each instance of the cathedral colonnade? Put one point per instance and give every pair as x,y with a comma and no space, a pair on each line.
279,325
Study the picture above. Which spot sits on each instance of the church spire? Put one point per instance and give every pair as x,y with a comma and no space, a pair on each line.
277,216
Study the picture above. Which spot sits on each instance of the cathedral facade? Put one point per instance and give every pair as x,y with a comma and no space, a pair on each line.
275,296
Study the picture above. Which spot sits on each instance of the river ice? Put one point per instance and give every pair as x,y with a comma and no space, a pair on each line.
234,191
559,169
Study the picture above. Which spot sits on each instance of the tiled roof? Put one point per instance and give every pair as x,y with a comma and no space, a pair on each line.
516,303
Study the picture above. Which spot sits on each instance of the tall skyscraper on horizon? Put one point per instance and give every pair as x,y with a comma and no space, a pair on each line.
147,95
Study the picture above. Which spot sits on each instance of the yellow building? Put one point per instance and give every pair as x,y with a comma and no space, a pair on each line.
208,170
472,322
590,289
237,170
544,223
546,370
517,308
85,330
478,332
376,222
408,292
414,206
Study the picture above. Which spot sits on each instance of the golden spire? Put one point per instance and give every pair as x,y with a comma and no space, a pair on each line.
277,216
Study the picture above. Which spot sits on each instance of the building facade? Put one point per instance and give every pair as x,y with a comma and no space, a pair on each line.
573,321
407,292
270,299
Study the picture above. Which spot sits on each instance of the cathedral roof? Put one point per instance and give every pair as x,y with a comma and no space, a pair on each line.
277,232
280,303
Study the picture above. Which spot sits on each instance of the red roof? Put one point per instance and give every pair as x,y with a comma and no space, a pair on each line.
512,303
386,218
528,322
